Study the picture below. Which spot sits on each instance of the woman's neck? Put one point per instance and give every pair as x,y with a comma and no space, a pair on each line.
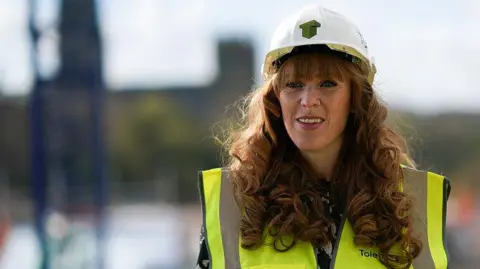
323,161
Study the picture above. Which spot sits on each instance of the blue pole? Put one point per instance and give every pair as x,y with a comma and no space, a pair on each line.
38,171
100,162
99,170
38,156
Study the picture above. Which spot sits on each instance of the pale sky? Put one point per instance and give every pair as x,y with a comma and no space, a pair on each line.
427,52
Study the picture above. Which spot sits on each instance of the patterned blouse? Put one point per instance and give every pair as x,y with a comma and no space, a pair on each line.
324,254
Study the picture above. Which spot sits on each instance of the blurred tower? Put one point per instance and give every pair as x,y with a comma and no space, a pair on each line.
68,153
80,49
236,60
75,105
239,52
81,78
236,65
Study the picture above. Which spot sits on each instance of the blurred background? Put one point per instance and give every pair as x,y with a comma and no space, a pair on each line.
107,109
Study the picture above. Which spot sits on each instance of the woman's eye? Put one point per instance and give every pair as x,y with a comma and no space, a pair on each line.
328,84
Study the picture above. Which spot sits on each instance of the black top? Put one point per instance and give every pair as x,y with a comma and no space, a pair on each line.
324,254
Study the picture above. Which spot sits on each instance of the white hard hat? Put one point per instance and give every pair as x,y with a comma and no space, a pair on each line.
316,25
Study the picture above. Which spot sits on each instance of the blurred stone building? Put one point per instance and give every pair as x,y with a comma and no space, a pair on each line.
206,103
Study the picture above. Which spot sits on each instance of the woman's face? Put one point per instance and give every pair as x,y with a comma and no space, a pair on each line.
315,102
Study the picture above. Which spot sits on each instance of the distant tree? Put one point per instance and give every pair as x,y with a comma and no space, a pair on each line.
445,143
152,137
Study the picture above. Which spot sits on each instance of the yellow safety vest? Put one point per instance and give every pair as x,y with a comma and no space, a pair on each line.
221,214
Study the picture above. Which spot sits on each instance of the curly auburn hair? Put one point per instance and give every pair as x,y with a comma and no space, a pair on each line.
278,190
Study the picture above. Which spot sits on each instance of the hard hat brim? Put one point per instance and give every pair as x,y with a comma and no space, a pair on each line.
269,68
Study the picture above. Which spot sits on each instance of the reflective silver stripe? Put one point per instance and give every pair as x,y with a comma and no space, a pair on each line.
416,188
230,222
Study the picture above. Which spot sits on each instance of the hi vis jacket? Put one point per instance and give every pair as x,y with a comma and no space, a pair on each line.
221,221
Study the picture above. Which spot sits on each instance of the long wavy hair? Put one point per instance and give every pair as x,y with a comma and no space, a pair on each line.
279,192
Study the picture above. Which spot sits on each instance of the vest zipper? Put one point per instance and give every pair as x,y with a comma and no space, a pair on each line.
337,241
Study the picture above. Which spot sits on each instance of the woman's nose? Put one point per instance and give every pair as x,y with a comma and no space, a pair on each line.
310,97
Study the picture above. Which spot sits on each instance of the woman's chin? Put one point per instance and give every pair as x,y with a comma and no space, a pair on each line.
310,147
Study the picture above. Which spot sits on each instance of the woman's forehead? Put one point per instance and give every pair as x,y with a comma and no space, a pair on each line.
309,66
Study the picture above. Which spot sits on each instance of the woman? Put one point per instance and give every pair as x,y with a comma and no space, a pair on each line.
315,179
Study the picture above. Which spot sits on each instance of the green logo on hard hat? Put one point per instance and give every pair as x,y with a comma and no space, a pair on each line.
309,29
